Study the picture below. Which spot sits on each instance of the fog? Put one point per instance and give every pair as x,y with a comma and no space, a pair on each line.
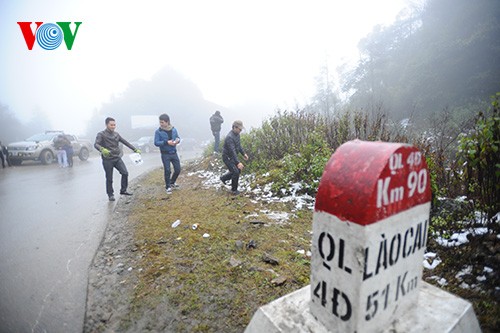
244,58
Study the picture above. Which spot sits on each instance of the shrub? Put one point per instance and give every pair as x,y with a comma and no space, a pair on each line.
478,152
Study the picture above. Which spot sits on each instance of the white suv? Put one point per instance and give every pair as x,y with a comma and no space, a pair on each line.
40,147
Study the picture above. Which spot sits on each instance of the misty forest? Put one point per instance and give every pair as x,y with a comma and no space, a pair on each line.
431,79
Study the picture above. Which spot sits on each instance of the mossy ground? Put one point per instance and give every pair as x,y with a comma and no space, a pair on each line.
214,284
179,281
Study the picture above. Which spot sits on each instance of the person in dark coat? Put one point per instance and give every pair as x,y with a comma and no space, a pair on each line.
216,121
60,142
4,155
107,142
68,147
232,147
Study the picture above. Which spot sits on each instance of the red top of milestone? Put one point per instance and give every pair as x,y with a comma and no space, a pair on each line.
365,182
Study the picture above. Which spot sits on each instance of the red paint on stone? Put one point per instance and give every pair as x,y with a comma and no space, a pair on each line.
354,178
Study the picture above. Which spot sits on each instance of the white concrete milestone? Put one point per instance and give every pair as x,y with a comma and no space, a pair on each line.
374,272
437,312
369,237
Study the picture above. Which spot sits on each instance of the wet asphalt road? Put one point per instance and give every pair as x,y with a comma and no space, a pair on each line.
51,223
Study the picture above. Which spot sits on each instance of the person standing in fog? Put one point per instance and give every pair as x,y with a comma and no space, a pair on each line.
69,151
232,147
3,154
60,143
107,142
216,121
167,138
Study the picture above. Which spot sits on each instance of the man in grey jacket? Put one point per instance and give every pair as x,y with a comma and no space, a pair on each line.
232,147
107,142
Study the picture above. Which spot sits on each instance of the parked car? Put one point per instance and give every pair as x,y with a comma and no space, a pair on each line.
40,147
146,144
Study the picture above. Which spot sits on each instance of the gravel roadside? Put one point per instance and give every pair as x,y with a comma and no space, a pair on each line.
112,276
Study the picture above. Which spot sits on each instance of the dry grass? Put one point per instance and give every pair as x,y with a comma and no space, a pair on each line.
214,284
183,282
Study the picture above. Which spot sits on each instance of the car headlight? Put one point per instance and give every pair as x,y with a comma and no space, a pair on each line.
31,148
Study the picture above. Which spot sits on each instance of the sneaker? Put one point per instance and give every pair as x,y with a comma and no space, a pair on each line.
235,192
125,193
111,198
223,181
169,190
174,186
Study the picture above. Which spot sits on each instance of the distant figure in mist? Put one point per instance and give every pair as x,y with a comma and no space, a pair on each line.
216,121
69,152
232,147
4,155
60,143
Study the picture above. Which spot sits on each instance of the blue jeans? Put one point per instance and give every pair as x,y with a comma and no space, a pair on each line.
62,158
217,141
166,160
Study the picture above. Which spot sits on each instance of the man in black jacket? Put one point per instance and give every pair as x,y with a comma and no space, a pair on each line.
107,143
232,147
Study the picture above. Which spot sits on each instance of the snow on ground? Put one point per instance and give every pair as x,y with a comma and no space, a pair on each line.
431,261
459,238
259,193
301,201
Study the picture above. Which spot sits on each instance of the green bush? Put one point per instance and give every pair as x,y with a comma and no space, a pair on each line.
295,146
479,154
306,166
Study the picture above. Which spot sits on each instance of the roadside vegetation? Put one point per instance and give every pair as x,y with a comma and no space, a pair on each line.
424,80
213,276
243,251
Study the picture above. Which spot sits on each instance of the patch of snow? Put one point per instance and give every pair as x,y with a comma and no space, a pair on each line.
442,282
487,269
464,285
429,255
432,264
456,239
278,216
479,231
260,193
465,271
459,238
481,278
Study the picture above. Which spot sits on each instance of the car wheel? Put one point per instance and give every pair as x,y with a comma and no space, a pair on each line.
15,161
46,157
84,154
147,149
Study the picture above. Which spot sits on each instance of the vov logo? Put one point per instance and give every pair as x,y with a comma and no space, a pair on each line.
49,35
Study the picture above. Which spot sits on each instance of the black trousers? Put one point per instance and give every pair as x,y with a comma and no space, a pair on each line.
233,173
109,165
